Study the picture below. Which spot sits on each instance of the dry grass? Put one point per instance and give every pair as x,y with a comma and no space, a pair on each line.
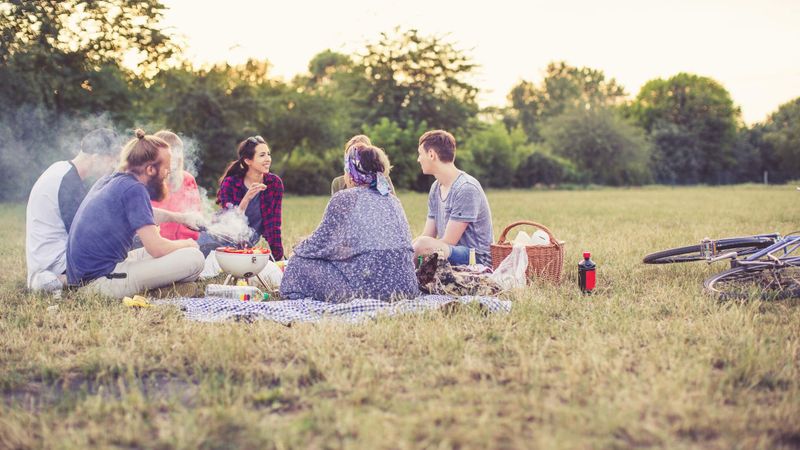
647,362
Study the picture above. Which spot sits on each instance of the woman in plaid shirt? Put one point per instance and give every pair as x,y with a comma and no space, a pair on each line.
258,194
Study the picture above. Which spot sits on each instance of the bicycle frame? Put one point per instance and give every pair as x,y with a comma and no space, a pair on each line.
708,247
765,256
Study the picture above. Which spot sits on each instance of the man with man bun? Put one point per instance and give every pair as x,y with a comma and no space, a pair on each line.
99,256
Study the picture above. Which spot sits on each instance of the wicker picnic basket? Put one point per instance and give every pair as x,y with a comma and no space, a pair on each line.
544,261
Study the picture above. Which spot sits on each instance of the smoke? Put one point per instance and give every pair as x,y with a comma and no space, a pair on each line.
191,155
185,164
227,225
231,226
33,138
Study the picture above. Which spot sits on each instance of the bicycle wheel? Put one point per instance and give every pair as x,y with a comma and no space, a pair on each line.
743,246
767,282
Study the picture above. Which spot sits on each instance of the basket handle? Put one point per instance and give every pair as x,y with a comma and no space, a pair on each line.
502,238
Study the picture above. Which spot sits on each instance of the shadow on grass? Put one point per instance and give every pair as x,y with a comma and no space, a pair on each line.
69,390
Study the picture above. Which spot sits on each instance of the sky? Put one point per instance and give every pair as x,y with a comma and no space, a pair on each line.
751,47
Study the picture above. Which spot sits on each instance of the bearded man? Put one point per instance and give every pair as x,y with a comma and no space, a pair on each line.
99,256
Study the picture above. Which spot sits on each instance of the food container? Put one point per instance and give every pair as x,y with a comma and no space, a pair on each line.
544,261
242,263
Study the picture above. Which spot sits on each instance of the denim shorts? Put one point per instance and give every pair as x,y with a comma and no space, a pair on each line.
459,255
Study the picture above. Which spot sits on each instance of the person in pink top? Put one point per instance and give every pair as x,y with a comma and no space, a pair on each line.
184,196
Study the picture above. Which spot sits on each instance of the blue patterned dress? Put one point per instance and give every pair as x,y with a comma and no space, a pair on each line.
362,249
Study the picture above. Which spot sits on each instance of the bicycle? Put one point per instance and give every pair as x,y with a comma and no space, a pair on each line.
767,265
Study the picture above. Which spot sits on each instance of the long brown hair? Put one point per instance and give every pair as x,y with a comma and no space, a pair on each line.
247,150
175,178
357,139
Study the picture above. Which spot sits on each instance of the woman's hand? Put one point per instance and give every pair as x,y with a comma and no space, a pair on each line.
254,189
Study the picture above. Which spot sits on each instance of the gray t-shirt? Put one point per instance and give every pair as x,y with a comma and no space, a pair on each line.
466,202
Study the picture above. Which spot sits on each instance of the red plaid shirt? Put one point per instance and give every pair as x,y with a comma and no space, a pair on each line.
231,192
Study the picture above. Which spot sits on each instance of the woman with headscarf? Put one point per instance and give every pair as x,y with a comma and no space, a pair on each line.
362,247
339,183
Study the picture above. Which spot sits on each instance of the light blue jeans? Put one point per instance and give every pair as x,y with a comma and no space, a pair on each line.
459,255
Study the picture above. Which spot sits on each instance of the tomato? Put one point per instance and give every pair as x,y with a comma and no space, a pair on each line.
245,251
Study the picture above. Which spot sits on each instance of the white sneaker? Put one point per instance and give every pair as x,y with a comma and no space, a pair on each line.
47,281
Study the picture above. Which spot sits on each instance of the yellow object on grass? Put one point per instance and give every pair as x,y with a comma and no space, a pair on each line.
136,302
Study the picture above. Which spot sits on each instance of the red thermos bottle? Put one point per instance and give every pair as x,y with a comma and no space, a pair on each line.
586,274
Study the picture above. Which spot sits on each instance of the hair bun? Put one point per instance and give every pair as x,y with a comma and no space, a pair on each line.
139,133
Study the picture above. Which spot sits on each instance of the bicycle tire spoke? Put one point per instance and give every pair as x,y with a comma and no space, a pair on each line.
767,283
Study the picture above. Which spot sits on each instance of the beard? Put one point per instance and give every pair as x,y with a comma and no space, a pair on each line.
157,188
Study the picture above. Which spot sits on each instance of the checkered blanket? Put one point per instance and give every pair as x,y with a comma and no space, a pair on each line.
286,312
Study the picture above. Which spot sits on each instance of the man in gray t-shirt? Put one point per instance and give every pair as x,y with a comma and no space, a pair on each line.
459,218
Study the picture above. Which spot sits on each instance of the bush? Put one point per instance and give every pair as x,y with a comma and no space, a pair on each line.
605,148
492,154
306,173
400,145
542,168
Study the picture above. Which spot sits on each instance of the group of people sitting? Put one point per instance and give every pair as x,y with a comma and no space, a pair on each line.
362,248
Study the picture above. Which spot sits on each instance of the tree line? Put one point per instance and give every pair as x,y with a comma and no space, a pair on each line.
61,73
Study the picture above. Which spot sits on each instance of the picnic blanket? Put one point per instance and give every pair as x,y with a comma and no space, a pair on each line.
286,312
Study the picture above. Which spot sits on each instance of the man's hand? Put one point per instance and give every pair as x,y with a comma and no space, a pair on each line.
157,246
189,243
194,220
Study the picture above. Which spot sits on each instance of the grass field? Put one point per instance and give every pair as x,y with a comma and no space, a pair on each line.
649,361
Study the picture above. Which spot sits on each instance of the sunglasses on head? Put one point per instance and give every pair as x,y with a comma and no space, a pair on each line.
255,140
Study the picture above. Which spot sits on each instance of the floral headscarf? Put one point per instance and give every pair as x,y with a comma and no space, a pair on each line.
362,177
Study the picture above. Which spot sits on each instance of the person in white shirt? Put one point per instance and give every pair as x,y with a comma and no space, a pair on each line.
53,202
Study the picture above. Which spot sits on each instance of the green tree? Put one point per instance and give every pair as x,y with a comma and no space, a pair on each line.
782,138
604,147
414,79
311,173
60,69
341,81
198,103
100,31
564,87
400,145
693,123
222,104
494,154
65,56
60,83
748,155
